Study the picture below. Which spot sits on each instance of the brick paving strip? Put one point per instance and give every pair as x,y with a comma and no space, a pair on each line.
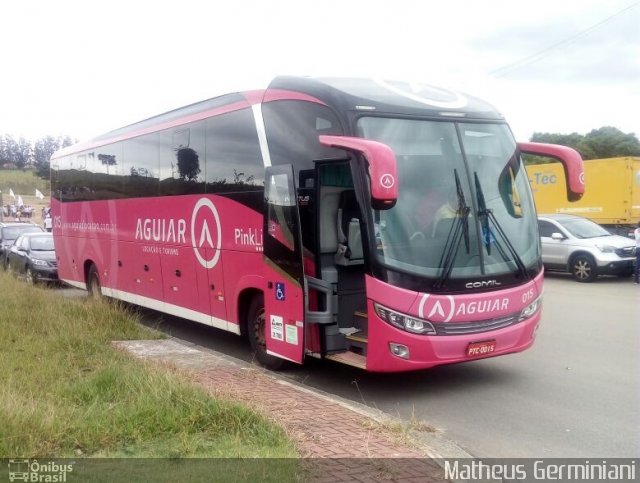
338,442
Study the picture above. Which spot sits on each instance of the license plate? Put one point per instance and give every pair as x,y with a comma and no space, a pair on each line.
476,349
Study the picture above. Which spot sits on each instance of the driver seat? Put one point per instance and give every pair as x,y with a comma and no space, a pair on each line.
348,230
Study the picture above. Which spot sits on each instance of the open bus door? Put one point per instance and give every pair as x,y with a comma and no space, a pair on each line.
284,299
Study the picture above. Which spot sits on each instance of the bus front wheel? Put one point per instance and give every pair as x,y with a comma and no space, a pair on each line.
256,327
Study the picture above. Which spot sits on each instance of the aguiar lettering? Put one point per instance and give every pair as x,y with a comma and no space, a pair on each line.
161,230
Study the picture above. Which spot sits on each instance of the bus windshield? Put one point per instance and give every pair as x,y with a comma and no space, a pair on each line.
464,204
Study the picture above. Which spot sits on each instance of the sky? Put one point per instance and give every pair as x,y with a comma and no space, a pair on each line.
82,68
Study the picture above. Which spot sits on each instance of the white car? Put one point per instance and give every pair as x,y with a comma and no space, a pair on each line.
583,248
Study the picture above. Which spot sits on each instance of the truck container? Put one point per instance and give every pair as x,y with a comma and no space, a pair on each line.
611,198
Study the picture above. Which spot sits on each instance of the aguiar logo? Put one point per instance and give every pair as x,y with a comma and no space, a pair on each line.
206,233
444,309
425,94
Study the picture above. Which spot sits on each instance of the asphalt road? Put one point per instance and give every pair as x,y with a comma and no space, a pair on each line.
576,393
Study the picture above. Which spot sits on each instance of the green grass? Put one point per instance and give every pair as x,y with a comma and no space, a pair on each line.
22,183
66,392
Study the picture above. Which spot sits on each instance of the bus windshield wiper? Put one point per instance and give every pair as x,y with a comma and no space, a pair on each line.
459,230
485,215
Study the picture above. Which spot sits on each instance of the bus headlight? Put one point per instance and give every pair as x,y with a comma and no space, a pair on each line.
531,309
403,321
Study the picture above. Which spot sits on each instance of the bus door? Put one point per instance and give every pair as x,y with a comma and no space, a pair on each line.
284,299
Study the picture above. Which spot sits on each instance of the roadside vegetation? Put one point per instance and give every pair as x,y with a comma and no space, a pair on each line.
66,392
22,182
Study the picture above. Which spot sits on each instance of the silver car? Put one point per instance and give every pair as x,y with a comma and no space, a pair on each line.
583,248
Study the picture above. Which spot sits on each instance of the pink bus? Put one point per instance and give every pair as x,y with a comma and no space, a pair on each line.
385,225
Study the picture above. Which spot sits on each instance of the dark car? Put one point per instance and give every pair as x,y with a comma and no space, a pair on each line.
8,234
33,256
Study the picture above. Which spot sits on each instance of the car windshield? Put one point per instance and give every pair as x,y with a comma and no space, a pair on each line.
42,243
464,204
10,233
583,228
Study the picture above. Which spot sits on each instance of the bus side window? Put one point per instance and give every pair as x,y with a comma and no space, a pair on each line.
182,160
140,170
234,159
106,171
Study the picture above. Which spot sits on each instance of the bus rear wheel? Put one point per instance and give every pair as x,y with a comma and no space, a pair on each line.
256,330
93,283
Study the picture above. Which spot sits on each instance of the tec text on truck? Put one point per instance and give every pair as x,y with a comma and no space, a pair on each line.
612,200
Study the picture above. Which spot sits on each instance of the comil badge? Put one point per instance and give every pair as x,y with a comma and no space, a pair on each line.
206,233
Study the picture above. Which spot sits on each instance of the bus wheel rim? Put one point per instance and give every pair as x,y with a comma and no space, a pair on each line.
258,329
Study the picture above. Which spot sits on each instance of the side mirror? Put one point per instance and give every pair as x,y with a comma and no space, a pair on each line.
383,168
557,236
570,159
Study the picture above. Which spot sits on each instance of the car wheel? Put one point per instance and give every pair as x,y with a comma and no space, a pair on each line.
93,283
256,327
583,269
31,280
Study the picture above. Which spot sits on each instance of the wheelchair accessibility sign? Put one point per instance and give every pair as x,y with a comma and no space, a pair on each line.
280,291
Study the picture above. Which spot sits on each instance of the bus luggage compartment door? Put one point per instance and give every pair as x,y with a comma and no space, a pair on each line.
284,274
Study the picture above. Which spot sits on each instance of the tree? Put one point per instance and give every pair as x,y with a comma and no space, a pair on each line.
43,149
107,160
10,149
609,142
64,141
4,153
24,153
605,142
188,164
43,170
